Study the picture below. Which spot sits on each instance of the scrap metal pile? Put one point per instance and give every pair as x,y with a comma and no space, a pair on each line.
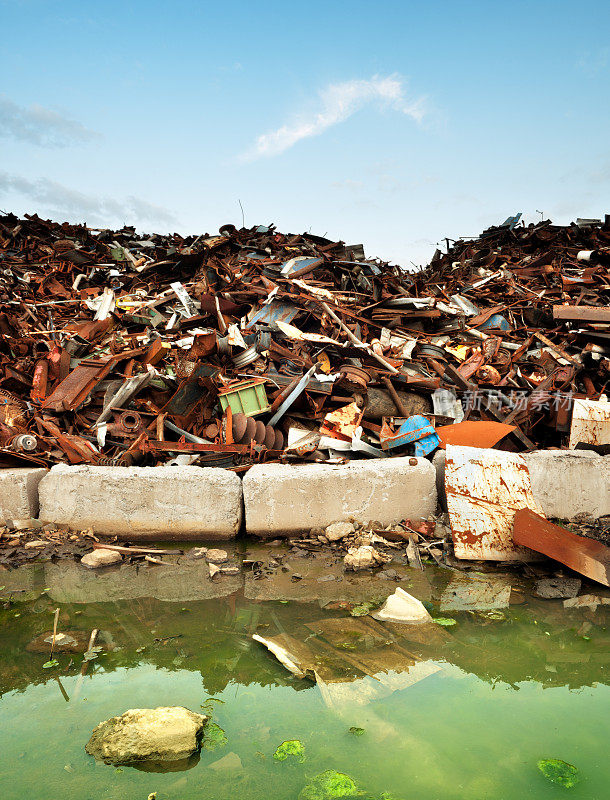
252,345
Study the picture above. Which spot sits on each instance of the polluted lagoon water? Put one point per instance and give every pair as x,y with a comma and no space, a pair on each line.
465,707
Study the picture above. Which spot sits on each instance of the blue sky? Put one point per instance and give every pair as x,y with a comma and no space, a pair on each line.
390,123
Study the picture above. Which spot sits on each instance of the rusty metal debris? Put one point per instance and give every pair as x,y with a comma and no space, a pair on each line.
586,556
484,490
119,348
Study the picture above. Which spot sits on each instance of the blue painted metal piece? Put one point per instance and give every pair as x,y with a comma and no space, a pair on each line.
495,321
272,312
415,429
295,264
511,221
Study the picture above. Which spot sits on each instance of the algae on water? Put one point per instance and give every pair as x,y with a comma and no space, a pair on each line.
558,771
328,785
291,748
213,737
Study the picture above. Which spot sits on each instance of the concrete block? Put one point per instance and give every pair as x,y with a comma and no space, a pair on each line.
282,499
144,503
19,492
567,483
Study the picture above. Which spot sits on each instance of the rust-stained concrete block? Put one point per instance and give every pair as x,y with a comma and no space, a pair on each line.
19,492
282,499
144,503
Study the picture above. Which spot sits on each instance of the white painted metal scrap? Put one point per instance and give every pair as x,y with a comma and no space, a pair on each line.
484,490
590,423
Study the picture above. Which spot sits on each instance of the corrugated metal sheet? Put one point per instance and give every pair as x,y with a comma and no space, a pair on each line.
484,490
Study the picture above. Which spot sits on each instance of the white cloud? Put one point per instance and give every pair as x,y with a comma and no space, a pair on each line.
41,126
57,201
338,102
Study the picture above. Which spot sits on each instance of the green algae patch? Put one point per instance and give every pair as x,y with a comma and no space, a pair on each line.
558,771
292,748
362,609
213,737
328,785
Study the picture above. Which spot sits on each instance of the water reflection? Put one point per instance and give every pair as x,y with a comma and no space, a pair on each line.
439,705
176,618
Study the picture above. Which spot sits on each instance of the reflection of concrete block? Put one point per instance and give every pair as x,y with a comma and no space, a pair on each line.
69,582
474,593
282,499
570,482
27,582
19,492
144,502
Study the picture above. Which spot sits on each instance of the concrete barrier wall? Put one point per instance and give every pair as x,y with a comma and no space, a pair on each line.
182,503
144,502
281,499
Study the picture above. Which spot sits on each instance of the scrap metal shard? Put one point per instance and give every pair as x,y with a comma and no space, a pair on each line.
590,423
473,433
586,556
484,490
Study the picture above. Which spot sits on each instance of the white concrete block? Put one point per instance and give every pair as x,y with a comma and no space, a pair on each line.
19,492
570,482
144,503
283,499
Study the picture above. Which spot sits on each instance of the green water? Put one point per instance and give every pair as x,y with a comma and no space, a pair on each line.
462,713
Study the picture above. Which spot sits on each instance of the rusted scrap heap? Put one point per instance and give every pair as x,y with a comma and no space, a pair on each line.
253,345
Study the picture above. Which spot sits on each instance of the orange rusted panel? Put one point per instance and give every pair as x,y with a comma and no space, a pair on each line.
473,433
590,558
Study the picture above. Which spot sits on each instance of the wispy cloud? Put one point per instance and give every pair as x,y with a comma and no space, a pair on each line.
595,61
59,201
42,126
337,103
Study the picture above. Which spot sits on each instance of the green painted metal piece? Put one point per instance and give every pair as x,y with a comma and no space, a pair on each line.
248,397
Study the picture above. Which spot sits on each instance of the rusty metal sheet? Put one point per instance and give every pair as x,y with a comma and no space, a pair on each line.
472,433
590,558
581,313
484,490
74,389
590,423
